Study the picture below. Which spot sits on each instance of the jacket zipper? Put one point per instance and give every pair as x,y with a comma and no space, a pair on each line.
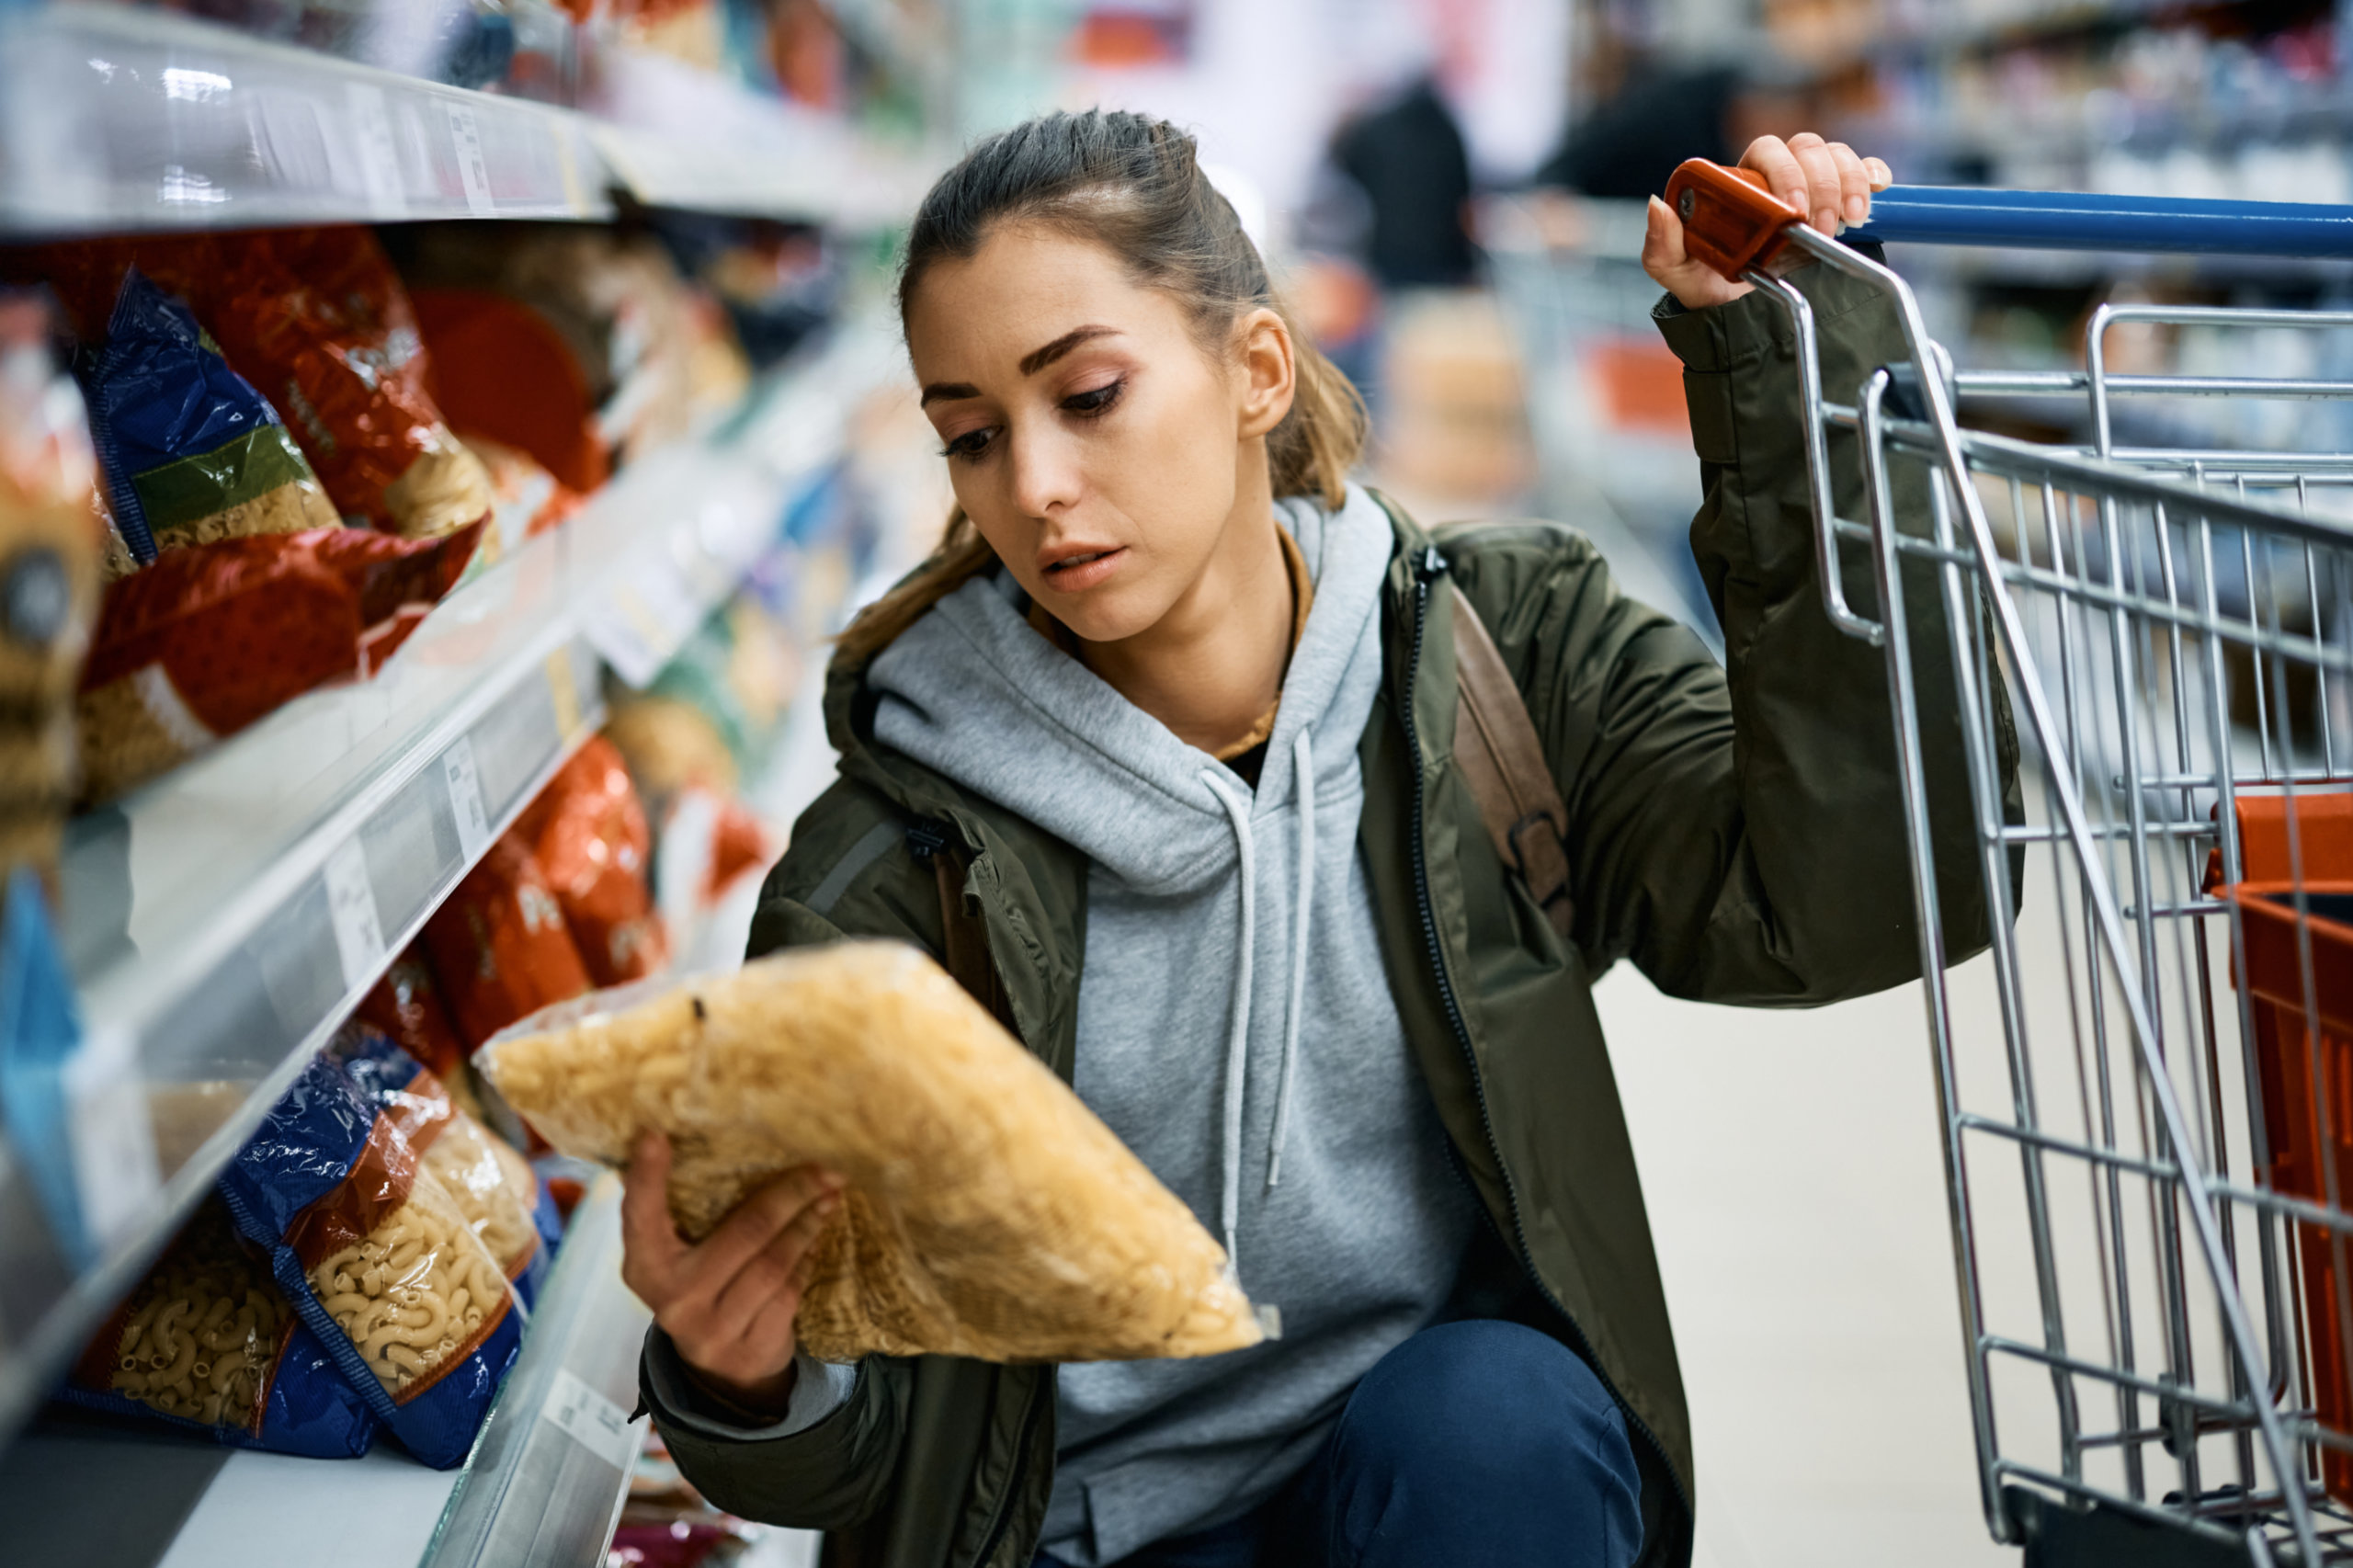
1002,1517
1427,567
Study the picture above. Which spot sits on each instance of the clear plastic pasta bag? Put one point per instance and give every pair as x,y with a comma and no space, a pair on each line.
988,1212
208,1341
493,1186
379,1260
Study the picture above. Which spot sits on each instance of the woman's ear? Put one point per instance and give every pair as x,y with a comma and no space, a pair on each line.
1270,377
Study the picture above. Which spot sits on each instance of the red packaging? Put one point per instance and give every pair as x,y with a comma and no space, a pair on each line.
590,835
318,321
500,948
501,369
214,636
406,1006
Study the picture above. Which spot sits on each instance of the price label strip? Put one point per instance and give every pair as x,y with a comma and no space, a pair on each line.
464,781
351,909
593,1422
370,123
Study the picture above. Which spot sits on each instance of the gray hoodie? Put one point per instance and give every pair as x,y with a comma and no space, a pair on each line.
1234,1025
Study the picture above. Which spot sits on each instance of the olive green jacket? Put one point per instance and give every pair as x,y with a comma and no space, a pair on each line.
1735,833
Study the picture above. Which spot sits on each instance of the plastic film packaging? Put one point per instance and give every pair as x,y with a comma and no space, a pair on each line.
590,837
379,1260
191,451
406,1006
988,1212
500,945
210,638
208,1341
493,1186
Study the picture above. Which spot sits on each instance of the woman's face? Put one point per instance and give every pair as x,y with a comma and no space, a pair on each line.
1100,451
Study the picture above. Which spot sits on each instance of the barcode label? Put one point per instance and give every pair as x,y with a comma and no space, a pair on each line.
465,798
351,909
473,169
595,1422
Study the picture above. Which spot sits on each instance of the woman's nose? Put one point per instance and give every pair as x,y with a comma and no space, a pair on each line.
1046,476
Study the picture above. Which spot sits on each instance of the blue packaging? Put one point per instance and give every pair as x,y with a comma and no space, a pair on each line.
379,1262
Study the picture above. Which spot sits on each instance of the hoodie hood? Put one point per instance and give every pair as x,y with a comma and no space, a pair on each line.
973,692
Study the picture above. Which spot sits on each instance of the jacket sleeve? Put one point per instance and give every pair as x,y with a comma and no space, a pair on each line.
835,1472
1738,831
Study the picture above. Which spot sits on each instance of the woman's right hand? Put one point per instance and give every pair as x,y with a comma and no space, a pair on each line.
729,1302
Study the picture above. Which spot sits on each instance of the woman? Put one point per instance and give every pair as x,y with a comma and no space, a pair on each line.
1163,735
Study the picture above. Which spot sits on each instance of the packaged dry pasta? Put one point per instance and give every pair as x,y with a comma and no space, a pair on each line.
494,1186
406,1006
212,637
590,836
208,1341
191,451
379,1260
500,945
988,1212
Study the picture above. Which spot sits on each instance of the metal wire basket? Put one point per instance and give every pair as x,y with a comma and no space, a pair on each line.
2146,1086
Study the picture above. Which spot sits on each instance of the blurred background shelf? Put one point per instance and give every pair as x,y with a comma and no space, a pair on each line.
117,119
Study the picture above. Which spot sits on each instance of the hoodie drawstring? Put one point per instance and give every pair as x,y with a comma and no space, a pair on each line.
1303,755
1237,1044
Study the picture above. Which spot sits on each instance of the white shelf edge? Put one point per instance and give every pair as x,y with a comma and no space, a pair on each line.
114,119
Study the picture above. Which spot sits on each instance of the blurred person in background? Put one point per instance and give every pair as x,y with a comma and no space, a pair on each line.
1161,735
1626,149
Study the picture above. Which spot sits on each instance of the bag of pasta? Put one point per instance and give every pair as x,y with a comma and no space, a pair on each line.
494,1186
209,1342
191,451
500,945
988,1212
589,833
379,1261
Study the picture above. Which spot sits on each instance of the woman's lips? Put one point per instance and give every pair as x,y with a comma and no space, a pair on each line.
1081,570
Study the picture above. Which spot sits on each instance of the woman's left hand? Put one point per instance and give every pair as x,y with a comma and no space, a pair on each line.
1828,181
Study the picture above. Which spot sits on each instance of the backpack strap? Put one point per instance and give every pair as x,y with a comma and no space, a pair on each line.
1503,762
965,935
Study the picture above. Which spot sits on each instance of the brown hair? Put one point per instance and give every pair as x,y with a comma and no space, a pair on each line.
1132,184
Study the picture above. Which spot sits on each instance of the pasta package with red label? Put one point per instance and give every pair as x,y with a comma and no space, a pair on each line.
379,1260
494,1186
210,638
318,318
407,1007
500,945
590,835
208,1341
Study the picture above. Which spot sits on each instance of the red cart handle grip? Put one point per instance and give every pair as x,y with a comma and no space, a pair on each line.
1730,221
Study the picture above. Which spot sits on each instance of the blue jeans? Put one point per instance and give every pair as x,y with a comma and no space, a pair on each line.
1476,1442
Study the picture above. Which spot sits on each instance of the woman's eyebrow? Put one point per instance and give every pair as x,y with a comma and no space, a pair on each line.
1038,360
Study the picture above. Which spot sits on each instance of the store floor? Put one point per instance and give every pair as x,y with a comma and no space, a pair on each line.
1790,1162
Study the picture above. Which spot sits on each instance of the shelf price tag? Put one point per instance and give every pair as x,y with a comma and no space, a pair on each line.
351,909
115,1173
379,159
473,168
563,693
595,1422
465,798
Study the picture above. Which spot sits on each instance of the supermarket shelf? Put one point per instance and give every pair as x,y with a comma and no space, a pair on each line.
547,1478
540,1490
114,118
222,922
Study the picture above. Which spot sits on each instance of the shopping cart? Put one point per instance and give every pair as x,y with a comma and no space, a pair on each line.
2146,1086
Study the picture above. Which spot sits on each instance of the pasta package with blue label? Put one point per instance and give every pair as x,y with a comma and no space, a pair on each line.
494,1186
210,1342
988,1212
379,1261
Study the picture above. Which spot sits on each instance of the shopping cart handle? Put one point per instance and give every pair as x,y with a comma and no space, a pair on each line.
1730,221
2056,219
